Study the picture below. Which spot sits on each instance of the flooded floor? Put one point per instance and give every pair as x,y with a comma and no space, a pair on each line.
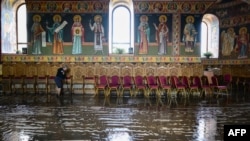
83,117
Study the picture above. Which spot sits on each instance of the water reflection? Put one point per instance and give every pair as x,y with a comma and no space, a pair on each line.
118,134
87,119
207,124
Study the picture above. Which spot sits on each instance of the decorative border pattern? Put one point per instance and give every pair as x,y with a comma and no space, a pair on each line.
54,58
225,62
116,59
102,6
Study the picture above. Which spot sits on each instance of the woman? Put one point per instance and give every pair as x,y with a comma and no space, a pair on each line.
60,76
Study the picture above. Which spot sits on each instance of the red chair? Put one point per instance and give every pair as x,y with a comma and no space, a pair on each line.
101,84
164,84
178,86
114,84
219,88
228,81
165,87
127,84
152,84
190,84
140,85
204,87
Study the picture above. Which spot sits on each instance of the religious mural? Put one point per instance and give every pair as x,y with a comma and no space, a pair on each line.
158,28
234,32
235,43
190,34
7,24
153,26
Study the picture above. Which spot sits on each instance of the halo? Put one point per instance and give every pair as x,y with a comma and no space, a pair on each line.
98,16
190,17
163,16
77,17
57,16
241,29
230,30
144,16
37,17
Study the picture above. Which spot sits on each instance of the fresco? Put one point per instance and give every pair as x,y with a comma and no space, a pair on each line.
235,42
176,14
8,27
157,41
234,31
190,34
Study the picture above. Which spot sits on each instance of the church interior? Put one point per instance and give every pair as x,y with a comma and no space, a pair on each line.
137,69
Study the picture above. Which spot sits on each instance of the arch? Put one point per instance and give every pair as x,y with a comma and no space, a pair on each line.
118,26
210,30
9,25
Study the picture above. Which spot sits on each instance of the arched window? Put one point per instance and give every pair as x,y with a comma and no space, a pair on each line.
210,35
22,42
121,27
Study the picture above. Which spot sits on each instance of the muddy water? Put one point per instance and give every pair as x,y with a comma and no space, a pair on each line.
25,118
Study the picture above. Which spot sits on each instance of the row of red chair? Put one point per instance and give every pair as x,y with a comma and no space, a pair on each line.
158,84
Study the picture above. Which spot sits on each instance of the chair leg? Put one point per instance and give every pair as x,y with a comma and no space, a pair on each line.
172,97
159,96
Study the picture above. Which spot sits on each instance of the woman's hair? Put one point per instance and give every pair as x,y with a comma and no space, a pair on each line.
64,66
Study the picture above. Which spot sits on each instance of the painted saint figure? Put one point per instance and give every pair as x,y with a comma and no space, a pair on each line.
98,29
190,33
143,36
242,42
56,37
161,35
227,41
77,32
36,35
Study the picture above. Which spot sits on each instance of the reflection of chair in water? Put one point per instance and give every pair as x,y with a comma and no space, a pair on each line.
78,84
51,85
17,84
30,84
42,84
5,84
